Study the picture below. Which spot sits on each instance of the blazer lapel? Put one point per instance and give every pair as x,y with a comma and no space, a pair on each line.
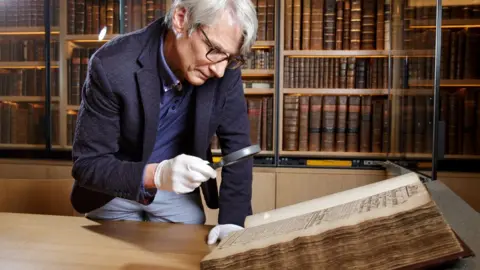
149,91
203,110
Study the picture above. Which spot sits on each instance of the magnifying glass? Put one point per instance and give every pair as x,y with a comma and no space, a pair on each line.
236,156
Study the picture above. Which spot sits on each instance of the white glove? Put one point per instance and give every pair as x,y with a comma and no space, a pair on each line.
182,174
221,231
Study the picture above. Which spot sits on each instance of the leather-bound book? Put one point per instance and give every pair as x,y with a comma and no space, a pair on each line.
343,73
286,72
429,125
323,70
347,13
71,24
360,73
306,24
329,25
461,93
262,19
377,114
420,124
408,123
468,123
368,25
477,132
329,117
79,17
291,111
288,42
351,67
339,25
301,72
353,123
387,19
341,126
336,72
254,106
264,127
316,31
460,61
270,20
297,24
386,126
303,123
317,72
365,124
445,54
380,34
315,122
452,136
391,224
453,54
270,124
356,25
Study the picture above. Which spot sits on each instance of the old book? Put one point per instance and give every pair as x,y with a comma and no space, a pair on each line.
353,123
329,26
303,123
390,224
306,18
315,123
288,45
316,31
297,24
339,25
291,111
329,115
341,125
346,24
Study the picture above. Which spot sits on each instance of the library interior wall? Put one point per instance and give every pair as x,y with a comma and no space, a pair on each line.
326,68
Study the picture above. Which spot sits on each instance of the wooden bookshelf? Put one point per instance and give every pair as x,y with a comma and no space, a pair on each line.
407,45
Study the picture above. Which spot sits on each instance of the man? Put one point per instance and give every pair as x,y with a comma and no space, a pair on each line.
151,103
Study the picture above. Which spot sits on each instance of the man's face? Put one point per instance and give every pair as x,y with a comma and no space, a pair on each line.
220,41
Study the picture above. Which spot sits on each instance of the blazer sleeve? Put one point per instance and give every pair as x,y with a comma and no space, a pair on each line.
95,164
233,134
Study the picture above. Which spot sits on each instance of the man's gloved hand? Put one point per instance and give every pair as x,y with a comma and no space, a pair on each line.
182,174
221,231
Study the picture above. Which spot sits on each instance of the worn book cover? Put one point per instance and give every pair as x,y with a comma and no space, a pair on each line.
392,224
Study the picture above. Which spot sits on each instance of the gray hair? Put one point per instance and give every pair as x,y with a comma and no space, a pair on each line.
205,12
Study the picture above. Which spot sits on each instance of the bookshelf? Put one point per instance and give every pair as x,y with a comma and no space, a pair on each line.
357,81
326,79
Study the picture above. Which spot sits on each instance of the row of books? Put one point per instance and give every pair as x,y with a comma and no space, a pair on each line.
342,72
264,84
363,123
78,64
23,123
27,13
77,68
260,59
18,49
459,54
336,24
260,115
90,16
27,82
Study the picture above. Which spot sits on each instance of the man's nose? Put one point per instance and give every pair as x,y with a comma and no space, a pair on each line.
218,69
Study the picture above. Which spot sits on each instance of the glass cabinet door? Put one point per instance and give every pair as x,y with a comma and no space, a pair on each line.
23,74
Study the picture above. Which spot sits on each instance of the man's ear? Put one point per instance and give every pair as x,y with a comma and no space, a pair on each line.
179,21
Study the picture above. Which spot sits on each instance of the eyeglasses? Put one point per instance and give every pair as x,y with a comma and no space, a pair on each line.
216,55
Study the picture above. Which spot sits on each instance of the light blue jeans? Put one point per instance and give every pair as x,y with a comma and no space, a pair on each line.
166,207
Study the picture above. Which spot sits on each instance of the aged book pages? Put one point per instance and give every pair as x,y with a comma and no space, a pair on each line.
385,225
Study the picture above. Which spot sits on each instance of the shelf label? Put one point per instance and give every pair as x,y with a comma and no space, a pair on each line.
336,163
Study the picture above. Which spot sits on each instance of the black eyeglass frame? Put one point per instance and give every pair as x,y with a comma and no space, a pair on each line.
233,63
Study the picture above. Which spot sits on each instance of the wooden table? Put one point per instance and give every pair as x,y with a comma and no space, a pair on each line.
60,242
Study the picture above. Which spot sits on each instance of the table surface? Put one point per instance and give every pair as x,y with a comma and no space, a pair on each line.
57,242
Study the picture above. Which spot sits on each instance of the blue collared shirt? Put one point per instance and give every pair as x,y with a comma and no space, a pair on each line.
176,116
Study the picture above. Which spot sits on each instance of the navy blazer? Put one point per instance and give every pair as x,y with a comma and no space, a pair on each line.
117,124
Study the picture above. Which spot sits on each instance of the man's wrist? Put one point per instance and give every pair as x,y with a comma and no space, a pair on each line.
149,175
